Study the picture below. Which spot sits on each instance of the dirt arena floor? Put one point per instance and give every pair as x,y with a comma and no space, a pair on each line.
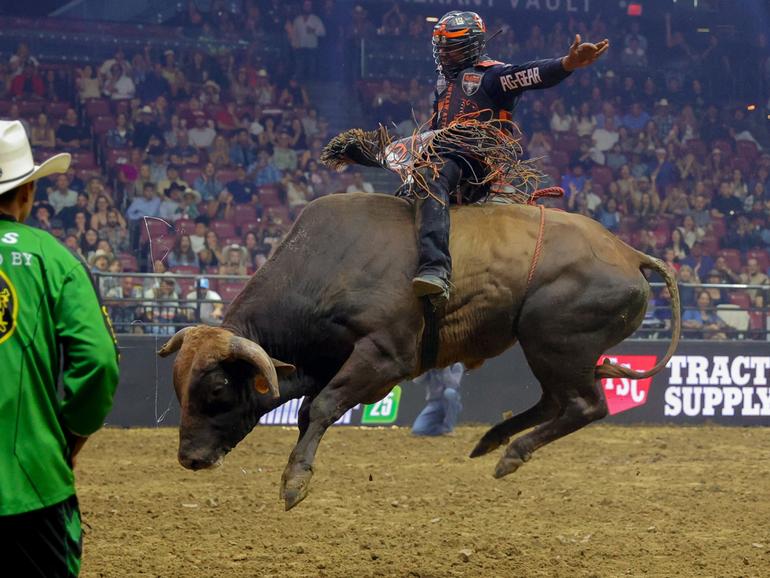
607,501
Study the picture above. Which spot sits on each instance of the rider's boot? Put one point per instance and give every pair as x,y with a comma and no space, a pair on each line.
435,263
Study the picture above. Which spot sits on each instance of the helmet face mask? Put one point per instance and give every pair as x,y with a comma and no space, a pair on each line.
458,41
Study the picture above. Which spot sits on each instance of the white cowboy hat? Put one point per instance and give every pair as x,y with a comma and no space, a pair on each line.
16,164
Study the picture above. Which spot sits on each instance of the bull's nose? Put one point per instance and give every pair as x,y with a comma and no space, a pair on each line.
193,463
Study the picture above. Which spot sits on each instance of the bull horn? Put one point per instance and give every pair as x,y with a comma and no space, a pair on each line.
174,343
247,350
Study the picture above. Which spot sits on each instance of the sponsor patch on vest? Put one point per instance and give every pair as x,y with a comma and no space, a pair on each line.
9,307
471,82
521,79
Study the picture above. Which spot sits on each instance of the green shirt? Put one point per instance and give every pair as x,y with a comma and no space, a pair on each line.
50,319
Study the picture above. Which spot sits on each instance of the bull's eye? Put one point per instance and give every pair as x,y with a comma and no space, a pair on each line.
218,390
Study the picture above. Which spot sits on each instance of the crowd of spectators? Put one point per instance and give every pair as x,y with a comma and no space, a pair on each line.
196,162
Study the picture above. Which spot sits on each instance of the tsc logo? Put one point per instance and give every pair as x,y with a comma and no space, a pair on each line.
623,394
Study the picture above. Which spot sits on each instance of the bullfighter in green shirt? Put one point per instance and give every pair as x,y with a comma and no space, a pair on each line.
53,331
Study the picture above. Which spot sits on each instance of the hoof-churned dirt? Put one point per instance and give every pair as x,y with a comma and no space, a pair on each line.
606,501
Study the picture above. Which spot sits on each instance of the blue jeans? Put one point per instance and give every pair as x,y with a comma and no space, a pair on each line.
439,416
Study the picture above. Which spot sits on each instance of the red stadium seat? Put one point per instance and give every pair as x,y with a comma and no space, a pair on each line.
28,108
746,149
757,320
733,258
568,142
160,247
129,263
662,237
630,237
190,174
212,110
245,214
97,107
101,124
186,285
553,173
601,175
279,212
246,226
710,245
156,228
84,160
117,157
740,299
269,196
57,110
718,227
226,175
184,227
229,290
559,159
223,229
741,163
762,257
186,270
723,145
628,223
121,106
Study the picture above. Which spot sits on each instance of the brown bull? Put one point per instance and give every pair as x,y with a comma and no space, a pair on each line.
336,303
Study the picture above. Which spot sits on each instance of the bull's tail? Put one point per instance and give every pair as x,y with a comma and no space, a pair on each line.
608,369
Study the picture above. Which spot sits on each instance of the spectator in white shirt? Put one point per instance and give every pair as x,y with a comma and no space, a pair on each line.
204,305
306,29
201,135
119,86
62,196
561,120
604,139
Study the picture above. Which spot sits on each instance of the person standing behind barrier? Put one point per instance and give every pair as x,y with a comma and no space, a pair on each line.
439,416
50,318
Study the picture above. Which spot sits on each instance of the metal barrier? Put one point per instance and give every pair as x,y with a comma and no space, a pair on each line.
149,303
163,304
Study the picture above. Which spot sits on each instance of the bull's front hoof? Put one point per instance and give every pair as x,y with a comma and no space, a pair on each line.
294,488
293,496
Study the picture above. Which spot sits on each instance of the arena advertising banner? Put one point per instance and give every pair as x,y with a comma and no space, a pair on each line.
706,381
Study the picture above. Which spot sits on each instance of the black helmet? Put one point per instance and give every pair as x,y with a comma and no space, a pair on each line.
458,41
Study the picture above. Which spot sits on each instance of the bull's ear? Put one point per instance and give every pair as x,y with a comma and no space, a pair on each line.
261,384
283,369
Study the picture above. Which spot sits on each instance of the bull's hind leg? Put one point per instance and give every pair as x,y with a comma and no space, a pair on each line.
582,402
565,325
368,374
501,433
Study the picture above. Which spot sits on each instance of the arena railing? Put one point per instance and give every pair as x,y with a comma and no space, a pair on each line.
737,315
150,310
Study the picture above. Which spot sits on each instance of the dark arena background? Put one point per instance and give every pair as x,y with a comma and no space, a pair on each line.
196,129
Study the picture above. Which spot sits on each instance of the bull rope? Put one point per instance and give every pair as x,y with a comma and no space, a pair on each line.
538,249
553,192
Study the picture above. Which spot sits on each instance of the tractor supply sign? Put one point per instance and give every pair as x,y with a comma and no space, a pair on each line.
718,386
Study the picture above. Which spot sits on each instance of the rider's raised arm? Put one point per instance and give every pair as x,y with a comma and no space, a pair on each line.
513,79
